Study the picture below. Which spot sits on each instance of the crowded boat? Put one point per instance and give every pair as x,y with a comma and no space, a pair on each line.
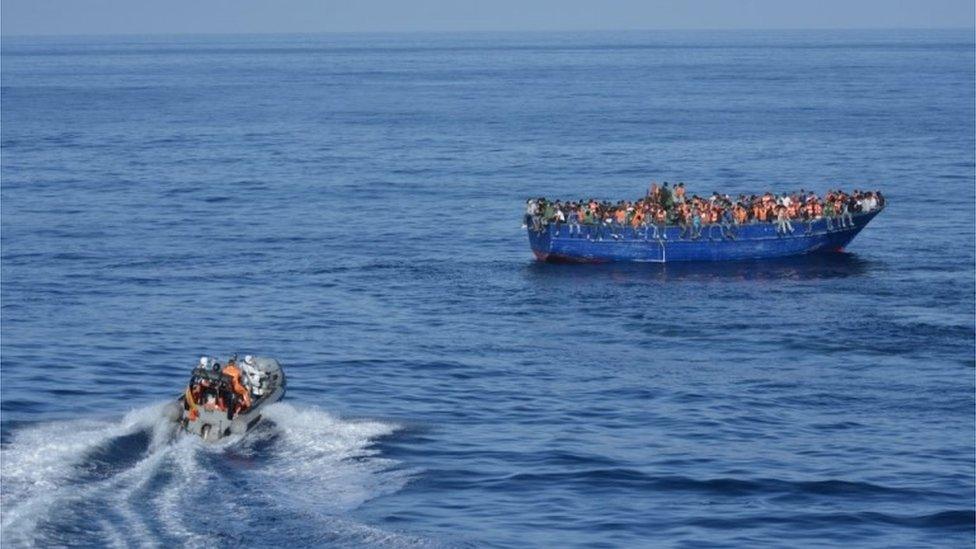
667,206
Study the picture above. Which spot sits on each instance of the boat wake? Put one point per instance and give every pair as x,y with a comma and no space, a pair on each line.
139,482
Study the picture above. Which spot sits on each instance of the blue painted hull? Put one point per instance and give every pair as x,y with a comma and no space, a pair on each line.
753,241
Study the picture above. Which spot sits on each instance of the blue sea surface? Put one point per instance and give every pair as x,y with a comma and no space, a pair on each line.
351,204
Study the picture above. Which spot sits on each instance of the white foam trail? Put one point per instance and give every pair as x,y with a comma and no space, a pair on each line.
321,459
307,466
186,475
37,465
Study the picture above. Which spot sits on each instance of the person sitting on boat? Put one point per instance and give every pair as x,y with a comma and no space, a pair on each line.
762,211
213,402
740,214
191,399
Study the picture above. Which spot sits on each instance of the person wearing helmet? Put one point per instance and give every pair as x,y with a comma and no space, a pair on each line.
252,375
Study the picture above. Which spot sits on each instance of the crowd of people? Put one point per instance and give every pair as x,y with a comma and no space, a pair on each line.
665,206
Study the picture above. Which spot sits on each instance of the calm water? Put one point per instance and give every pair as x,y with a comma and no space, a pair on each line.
351,205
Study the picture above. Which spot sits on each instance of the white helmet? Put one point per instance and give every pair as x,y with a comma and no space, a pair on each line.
203,361
248,359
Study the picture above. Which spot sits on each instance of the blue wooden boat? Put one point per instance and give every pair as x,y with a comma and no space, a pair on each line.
603,243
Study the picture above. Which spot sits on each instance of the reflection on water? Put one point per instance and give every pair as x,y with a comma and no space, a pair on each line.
808,267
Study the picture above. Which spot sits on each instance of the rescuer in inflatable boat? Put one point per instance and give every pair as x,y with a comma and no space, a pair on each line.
236,382
212,396
253,375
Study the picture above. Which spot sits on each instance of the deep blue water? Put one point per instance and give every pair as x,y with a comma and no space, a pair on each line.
351,205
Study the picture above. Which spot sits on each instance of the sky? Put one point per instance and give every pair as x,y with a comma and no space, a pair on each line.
70,17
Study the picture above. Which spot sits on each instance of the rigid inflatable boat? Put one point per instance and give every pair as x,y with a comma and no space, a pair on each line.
220,401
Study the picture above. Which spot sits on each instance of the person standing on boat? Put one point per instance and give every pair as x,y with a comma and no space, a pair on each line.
531,210
548,212
696,222
236,386
252,375
726,222
667,200
573,218
846,218
653,191
785,201
558,217
783,225
870,202
589,221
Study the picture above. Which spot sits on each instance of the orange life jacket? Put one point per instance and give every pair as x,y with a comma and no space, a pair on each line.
235,376
189,400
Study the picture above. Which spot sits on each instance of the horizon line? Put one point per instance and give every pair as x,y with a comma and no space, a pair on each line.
481,31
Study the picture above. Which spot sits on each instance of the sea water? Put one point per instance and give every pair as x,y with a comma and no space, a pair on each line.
351,205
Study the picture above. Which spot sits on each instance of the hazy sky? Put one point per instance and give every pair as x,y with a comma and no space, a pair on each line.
260,16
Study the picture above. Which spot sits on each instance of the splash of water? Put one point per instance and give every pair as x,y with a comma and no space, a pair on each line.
136,481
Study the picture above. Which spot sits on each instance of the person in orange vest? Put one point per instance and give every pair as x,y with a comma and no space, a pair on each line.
190,404
679,193
243,395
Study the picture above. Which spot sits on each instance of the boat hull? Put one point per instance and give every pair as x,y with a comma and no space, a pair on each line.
593,244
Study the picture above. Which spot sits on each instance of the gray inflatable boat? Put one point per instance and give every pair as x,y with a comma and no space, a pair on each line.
223,401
